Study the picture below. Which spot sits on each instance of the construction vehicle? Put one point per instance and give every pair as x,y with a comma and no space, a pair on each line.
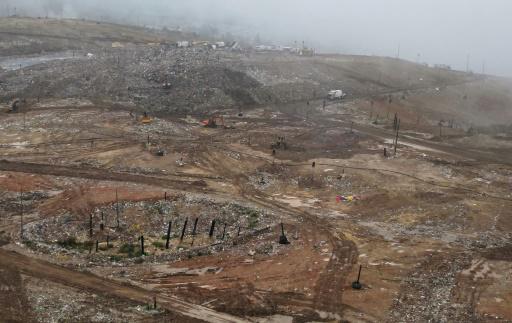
214,121
146,119
336,95
15,106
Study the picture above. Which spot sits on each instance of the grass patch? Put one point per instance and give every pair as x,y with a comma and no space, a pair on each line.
72,243
30,244
253,219
116,258
130,250
158,244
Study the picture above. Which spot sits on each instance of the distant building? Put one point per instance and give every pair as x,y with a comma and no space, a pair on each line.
443,67
308,52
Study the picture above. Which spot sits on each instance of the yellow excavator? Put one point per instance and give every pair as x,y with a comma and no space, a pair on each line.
146,119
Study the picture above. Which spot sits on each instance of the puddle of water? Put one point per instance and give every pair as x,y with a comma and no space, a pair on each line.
16,63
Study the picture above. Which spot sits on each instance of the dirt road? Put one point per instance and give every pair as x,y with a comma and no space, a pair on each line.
328,293
44,270
96,174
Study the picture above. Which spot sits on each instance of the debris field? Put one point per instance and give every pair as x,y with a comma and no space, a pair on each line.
141,181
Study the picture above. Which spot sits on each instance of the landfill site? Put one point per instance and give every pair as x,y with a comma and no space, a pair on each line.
158,176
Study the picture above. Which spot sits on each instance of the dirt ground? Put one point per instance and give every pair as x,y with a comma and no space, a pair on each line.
85,184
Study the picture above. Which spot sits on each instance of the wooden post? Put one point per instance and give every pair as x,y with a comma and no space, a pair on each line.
195,226
224,232
97,245
357,283
397,131
282,238
212,228
117,209
168,235
90,225
183,230
142,245
21,212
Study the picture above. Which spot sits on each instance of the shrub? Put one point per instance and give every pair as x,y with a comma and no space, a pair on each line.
158,244
130,250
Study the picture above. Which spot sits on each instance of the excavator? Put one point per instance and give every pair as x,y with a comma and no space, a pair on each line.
146,119
214,121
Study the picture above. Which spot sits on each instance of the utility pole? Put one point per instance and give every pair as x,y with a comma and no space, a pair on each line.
467,63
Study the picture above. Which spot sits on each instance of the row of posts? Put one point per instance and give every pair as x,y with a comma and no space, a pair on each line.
282,239
169,229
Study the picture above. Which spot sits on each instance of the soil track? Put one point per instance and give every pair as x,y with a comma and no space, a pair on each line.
329,288
98,174
41,269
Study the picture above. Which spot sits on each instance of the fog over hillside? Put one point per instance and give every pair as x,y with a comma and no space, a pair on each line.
460,33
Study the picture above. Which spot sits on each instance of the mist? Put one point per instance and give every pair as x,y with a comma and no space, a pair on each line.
465,34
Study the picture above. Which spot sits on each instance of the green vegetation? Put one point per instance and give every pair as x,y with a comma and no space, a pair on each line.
158,244
115,258
72,243
253,219
130,250
30,244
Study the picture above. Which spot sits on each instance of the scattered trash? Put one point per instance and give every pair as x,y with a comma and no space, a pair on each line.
348,199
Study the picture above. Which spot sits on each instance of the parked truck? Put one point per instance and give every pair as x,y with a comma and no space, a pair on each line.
336,95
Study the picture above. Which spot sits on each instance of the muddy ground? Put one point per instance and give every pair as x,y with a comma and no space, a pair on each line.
83,178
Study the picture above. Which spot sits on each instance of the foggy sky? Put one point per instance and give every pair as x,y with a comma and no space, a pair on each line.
433,31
